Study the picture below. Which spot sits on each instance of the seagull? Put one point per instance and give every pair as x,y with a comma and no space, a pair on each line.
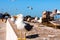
29,7
19,22
21,25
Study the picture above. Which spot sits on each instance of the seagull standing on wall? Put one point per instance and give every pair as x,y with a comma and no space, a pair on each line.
21,25
19,22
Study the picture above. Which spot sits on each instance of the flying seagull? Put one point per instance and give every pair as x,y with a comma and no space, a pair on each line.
29,7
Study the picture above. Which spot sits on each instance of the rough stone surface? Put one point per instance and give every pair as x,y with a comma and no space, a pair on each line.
2,30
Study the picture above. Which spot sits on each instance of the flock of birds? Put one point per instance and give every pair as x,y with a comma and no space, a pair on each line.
21,24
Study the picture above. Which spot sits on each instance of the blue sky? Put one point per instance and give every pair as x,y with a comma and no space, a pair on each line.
38,6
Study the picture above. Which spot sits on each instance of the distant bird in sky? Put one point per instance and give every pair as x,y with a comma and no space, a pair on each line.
29,7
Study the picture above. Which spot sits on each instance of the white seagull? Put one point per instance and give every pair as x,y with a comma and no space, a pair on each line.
19,22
